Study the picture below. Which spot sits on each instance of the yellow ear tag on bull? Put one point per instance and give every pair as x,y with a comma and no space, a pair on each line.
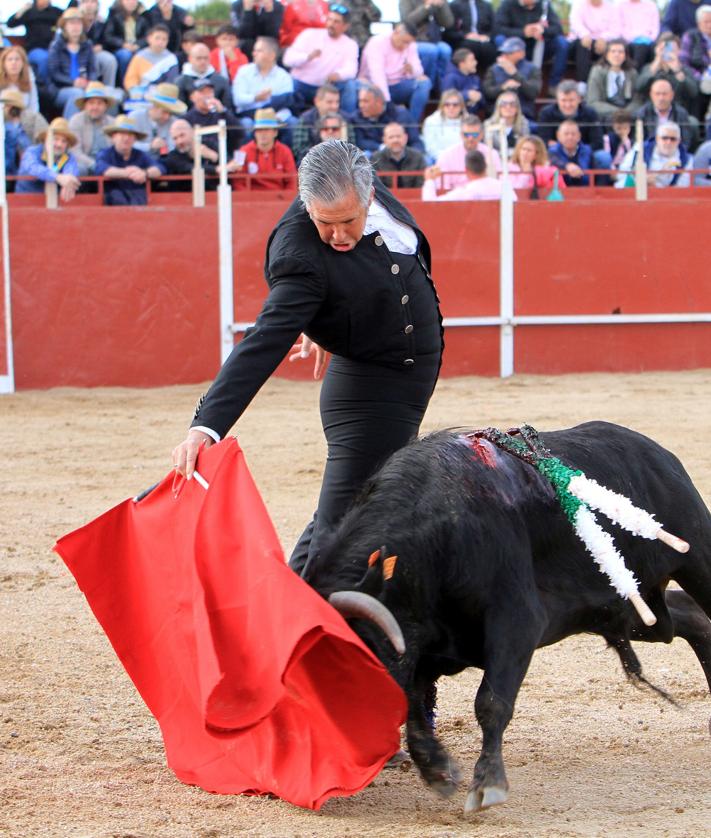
373,557
389,567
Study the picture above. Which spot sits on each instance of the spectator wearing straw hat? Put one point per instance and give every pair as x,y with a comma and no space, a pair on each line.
156,120
207,110
126,168
22,128
266,155
65,169
325,55
89,124
70,64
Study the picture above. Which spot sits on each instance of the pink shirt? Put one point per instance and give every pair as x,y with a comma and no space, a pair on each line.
638,20
382,64
452,160
338,55
480,189
588,21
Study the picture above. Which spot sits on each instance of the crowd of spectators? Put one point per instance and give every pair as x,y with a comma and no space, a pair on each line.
436,99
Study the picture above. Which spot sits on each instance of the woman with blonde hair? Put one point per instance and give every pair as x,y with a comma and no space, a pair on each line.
16,74
530,167
441,129
507,112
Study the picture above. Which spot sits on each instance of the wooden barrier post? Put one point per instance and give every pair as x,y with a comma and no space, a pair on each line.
640,169
198,171
50,188
7,381
224,210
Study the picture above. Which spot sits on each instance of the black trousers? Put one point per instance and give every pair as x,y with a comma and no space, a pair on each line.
368,412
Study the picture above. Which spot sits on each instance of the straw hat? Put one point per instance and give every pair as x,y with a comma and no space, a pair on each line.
95,90
13,98
166,97
70,14
59,126
266,118
126,125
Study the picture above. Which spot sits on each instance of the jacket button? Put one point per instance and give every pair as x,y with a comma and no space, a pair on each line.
395,269
408,362
405,299
378,240
409,328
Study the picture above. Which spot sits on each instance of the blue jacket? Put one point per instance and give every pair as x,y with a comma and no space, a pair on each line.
680,15
32,164
582,157
369,132
59,64
454,80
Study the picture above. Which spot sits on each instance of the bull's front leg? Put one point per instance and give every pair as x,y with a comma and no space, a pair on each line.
436,766
504,670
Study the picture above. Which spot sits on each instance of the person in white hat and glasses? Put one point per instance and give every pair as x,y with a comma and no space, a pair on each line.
65,169
126,168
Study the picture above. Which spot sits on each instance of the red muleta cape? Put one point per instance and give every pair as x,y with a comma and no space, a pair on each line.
258,684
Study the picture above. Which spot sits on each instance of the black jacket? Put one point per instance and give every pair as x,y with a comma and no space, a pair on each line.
588,121
411,161
39,26
114,35
176,24
511,17
313,289
463,18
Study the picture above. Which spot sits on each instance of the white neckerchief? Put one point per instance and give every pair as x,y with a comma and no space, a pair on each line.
399,237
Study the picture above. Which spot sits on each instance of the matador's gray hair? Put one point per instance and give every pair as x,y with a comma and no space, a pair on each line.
330,170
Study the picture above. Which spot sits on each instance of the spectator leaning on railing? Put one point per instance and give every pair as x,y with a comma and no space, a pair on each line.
391,62
266,155
65,169
126,168
397,156
477,186
572,156
530,168
668,161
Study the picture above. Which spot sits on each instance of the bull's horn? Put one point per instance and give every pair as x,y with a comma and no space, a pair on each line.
357,604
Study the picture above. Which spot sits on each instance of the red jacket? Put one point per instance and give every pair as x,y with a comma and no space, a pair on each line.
300,15
279,159
232,66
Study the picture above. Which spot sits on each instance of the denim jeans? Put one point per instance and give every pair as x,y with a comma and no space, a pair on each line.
413,94
38,59
434,58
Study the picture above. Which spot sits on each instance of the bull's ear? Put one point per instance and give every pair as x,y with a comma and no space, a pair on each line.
372,581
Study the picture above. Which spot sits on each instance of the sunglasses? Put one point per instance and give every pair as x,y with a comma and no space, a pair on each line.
331,128
452,104
507,104
471,133
670,139
339,9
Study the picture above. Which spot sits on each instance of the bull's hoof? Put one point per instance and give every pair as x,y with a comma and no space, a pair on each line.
401,759
483,798
446,783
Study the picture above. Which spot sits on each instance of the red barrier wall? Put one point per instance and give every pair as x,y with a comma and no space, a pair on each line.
129,297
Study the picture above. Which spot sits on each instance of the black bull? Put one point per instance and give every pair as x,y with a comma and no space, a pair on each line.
489,569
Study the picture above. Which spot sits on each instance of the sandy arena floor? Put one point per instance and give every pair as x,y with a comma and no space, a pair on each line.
80,755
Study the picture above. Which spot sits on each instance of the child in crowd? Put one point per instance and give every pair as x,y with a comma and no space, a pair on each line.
227,57
462,76
617,141
152,65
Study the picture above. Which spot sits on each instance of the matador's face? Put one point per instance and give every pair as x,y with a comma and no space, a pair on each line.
340,225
